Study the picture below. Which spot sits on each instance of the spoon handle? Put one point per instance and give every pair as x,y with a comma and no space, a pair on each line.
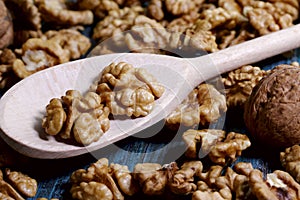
248,52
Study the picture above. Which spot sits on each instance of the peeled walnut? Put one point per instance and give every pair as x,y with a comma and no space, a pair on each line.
155,9
201,39
55,117
277,185
82,180
271,111
233,37
81,118
183,179
214,186
26,14
127,90
100,8
228,150
290,160
117,20
203,105
182,7
91,190
240,83
265,17
87,129
152,177
200,142
16,185
147,35
57,12
8,192
6,30
212,143
291,7
70,101
125,179
212,18
26,185
55,47
88,175
243,168
183,23
7,76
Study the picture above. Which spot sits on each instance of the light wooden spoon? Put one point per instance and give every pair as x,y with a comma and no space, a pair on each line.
23,106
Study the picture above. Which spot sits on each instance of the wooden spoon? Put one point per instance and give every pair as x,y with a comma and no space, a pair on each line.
23,106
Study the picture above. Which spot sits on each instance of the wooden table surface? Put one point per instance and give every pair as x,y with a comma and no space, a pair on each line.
156,144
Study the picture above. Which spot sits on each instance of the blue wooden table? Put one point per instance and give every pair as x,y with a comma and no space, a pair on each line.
156,144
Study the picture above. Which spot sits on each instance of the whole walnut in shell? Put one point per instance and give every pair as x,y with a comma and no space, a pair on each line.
272,110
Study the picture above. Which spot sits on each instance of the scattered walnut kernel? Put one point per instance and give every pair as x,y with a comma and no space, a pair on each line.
183,179
228,150
200,142
239,84
214,186
16,185
127,90
124,178
152,177
97,172
278,185
91,190
290,160
26,185
203,105
243,168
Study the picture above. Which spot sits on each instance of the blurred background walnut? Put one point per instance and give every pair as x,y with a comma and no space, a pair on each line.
6,29
53,48
58,12
7,76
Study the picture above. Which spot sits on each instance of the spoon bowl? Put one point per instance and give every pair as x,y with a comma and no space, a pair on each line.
22,107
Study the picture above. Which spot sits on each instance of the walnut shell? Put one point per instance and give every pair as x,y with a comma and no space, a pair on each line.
271,112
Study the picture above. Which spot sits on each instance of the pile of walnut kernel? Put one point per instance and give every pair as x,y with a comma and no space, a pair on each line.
50,32
121,89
